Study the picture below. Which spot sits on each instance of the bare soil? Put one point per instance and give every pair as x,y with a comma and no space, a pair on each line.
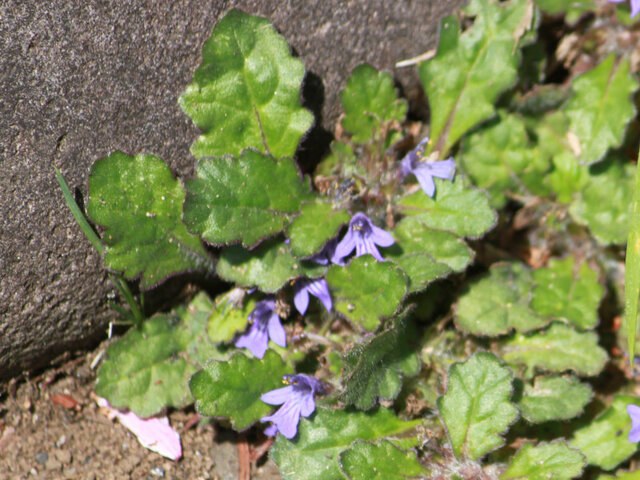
51,428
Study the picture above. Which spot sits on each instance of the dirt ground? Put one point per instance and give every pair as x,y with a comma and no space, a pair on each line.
51,428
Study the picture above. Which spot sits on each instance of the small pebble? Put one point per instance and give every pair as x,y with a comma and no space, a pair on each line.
42,458
157,471
61,441
63,456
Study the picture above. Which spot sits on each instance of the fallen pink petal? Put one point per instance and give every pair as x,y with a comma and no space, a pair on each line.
153,433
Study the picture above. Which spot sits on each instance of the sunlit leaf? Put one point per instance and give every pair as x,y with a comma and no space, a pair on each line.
545,461
554,398
383,461
317,223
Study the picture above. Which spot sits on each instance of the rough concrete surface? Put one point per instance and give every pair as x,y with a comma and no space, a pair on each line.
79,79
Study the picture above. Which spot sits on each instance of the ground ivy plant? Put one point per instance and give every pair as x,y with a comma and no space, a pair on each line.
437,299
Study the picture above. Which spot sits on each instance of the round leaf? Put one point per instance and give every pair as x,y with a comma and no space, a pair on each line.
545,461
383,461
317,223
554,398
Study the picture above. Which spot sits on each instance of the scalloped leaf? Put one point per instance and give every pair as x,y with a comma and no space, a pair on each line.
476,407
367,290
383,461
374,369
456,78
605,441
556,349
139,203
566,292
317,223
370,101
421,269
603,205
268,267
149,368
244,199
499,302
457,208
601,107
246,92
232,389
500,158
544,461
314,454
554,398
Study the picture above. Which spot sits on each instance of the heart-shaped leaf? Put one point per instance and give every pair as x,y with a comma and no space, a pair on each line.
456,208
139,203
383,461
499,302
244,199
554,398
315,453
568,293
246,92
367,290
556,349
232,389
369,102
268,267
545,461
605,441
317,223
476,407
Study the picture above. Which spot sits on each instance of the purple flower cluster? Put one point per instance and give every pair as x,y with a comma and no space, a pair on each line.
296,400
635,6
425,171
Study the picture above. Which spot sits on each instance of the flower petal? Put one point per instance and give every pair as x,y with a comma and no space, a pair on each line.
320,289
307,405
634,413
278,396
425,179
301,296
381,237
445,169
256,340
286,418
276,331
346,245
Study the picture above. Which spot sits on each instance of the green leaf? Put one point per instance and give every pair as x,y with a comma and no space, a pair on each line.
374,369
229,316
456,208
413,236
475,408
569,293
605,441
456,78
632,271
545,461
139,203
268,267
149,368
244,199
314,454
421,269
232,389
567,177
554,398
603,205
246,92
367,290
621,475
370,101
556,349
317,223
499,302
382,461
601,107
499,158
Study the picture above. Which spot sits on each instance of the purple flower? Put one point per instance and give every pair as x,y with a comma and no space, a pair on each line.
265,325
327,254
296,399
425,171
317,287
363,236
635,6
634,413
